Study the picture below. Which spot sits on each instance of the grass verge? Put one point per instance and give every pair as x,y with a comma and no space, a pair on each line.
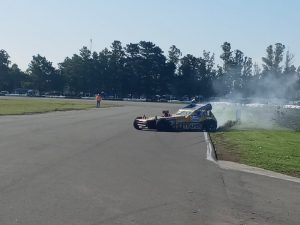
30,106
278,151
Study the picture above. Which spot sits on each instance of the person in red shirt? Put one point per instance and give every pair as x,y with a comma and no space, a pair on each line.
98,100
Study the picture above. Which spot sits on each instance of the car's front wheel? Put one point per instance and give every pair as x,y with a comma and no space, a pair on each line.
136,125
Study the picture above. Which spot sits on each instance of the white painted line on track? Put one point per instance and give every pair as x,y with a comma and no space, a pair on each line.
255,170
210,153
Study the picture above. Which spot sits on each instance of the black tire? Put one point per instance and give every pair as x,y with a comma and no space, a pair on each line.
210,125
135,125
163,125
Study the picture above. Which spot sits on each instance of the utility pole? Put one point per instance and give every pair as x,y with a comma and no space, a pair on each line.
91,44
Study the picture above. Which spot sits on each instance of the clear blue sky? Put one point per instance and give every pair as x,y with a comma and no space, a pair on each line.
59,28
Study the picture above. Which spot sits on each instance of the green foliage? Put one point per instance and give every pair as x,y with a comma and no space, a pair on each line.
273,59
272,150
43,75
237,70
142,69
4,68
10,76
174,55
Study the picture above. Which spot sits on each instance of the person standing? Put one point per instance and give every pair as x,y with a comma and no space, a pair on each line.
98,100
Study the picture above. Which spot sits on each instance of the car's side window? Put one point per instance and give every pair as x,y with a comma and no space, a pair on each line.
198,113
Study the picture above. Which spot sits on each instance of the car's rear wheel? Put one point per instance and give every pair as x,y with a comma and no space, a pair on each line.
210,125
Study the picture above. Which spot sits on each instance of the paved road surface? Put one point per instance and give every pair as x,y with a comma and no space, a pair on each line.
91,167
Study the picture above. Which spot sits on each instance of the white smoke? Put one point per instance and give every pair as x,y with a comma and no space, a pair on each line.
273,87
256,116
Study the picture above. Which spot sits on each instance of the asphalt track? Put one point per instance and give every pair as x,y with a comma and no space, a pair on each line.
92,167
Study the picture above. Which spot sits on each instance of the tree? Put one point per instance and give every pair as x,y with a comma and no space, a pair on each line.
11,77
226,56
116,67
16,78
225,79
71,69
43,75
86,70
206,74
174,55
247,67
4,59
247,77
187,75
232,67
279,50
133,69
197,75
81,72
143,69
272,81
152,70
289,68
4,69
236,71
271,63
290,77
256,70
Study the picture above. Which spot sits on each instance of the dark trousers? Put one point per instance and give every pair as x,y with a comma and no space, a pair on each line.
98,104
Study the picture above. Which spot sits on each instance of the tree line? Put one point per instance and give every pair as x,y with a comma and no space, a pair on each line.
142,69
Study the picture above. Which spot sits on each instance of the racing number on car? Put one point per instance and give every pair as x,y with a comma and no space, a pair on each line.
195,125
181,126
188,126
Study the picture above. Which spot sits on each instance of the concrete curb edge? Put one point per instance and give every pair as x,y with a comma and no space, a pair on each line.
227,165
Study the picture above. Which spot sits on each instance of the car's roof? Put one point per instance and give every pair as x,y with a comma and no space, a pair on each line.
194,106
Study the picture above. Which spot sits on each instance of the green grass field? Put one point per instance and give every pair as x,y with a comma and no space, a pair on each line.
276,150
29,106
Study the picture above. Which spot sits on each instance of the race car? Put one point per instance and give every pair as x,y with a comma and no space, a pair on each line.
192,117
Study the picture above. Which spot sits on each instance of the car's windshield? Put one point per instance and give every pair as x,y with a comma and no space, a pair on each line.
183,113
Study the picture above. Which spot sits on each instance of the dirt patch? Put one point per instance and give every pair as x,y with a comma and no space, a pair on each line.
228,125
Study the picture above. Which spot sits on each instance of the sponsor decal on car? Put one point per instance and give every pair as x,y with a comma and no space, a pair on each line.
188,126
195,118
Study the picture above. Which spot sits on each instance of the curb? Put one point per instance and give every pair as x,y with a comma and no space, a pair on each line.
228,165
211,153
